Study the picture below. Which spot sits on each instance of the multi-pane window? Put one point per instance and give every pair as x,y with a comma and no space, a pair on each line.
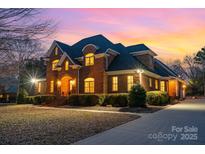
130,82
150,82
54,64
156,84
115,83
52,86
39,87
56,51
89,59
66,65
89,84
162,85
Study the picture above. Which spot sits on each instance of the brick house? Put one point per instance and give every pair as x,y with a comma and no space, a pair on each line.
96,65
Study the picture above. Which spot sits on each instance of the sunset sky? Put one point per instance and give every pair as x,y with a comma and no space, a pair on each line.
171,33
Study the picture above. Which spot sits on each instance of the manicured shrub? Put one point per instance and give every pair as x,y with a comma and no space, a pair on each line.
22,96
107,100
157,98
83,100
101,100
119,101
73,100
114,100
137,96
38,100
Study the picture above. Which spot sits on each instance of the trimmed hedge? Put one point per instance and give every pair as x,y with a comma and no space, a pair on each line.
38,100
137,96
157,98
114,100
103,100
83,100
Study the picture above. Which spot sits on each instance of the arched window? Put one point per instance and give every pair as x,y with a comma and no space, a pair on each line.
89,59
66,65
54,64
89,85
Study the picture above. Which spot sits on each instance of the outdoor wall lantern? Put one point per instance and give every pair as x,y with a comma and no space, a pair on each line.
140,71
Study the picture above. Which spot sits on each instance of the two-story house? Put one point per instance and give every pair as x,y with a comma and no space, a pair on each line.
96,65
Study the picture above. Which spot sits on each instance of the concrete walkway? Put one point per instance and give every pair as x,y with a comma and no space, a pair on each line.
182,123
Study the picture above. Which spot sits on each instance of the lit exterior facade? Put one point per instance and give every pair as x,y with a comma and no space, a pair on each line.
95,65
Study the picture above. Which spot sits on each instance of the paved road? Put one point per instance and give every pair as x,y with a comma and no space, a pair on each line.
183,123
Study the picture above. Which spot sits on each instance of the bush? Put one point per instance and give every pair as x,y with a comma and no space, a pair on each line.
137,96
22,96
83,100
114,100
119,101
157,98
38,100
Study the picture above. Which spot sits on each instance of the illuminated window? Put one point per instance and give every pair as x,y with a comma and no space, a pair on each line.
162,85
56,51
89,59
54,64
115,83
66,65
156,84
89,84
52,86
130,82
39,87
150,82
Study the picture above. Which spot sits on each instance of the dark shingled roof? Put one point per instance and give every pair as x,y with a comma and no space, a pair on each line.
162,69
66,48
98,40
123,61
138,47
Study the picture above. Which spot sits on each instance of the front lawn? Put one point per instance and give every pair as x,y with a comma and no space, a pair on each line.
27,124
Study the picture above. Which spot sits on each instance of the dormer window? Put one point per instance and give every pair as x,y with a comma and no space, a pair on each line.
66,65
56,51
89,59
54,64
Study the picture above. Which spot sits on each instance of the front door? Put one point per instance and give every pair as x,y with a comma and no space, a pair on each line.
65,86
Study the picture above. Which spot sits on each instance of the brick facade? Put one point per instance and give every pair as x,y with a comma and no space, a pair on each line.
72,80
103,82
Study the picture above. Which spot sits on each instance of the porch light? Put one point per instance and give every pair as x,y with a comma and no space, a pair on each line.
140,71
184,86
59,83
72,82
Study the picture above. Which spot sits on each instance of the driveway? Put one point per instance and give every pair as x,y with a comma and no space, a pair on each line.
182,123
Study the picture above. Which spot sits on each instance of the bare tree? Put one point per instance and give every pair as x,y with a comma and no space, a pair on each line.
21,25
22,32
